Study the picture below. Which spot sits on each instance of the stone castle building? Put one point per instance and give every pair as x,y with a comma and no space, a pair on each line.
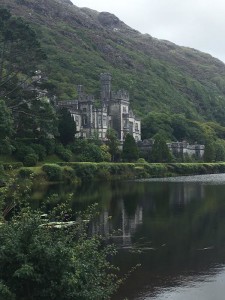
178,149
114,112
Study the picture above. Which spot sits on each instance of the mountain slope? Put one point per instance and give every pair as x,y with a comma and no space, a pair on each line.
82,43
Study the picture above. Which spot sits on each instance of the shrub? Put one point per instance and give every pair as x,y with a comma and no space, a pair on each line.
141,161
63,153
156,169
12,166
36,259
25,173
39,150
2,175
103,172
6,147
85,171
68,174
30,160
53,171
49,145
22,151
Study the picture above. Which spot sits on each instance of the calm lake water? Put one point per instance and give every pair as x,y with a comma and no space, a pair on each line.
173,227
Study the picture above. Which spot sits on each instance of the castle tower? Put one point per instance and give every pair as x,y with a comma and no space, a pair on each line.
79,91
105,87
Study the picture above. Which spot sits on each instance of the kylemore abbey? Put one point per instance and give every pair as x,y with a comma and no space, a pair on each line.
114,112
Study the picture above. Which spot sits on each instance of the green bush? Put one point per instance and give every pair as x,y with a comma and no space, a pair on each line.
35,259
141,161
40,151
85,171
22,151
63,153
2,175
49,145
53,171
30,160
6,147
103,173
12,166
68,174
156,169
25,173
221,167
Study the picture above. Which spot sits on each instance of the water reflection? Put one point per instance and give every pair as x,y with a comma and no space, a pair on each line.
174,228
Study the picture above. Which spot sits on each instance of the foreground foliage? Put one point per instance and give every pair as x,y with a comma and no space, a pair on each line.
41,262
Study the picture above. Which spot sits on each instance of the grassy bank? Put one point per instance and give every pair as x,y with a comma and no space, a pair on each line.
86,171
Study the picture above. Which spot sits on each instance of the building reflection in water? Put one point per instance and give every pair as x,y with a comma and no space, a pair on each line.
183,193
125,214
126,225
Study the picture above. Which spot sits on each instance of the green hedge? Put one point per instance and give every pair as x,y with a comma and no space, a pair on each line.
53,171
11,165
88,171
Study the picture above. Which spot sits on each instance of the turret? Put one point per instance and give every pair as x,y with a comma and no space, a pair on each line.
79,91
105,87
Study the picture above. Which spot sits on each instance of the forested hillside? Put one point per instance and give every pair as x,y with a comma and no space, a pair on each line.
48,47
161,77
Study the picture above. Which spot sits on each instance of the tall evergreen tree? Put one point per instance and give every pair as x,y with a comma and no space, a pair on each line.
209,154
160,151
130,149
67,127
113,144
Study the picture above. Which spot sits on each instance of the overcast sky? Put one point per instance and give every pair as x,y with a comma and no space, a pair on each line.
199,24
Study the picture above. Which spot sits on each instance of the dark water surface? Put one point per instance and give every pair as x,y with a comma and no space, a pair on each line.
174,228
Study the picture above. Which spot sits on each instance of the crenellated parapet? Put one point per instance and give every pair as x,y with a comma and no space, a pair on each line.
122,95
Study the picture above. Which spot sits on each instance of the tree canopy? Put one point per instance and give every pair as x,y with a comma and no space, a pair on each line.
20,53
130,149
160,152
39,261
66,127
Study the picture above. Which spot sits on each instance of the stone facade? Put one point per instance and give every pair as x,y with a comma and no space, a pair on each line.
114,112
178,149
184,148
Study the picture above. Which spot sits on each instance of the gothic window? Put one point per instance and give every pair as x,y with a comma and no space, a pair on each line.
131,124
124,109
99,121
136,126
104,121
84,120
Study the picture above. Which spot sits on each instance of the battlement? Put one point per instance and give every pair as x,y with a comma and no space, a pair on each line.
121,95
105,77
68,103
86,98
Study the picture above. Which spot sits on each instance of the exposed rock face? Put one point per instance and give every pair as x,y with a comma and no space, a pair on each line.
107,19
65,2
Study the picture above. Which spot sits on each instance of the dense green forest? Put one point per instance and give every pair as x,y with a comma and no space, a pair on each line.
178,92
